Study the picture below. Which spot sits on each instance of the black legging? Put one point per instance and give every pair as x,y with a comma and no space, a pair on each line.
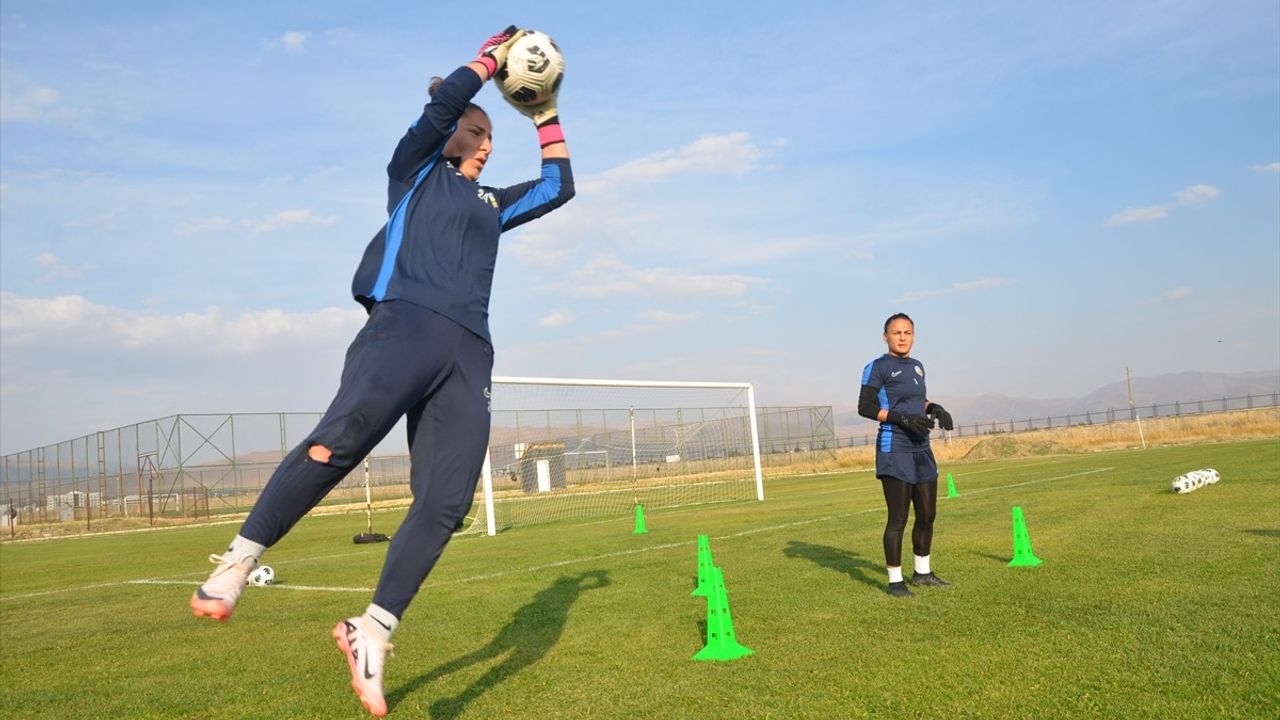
900,496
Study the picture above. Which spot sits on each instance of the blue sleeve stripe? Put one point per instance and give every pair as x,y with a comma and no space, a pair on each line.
541,194
886,430
866,372
395,234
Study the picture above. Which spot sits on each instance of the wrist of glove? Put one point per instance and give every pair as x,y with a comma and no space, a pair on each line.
939,413
493,53
545,117
912,423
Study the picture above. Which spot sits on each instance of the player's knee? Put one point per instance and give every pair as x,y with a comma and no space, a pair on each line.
319,453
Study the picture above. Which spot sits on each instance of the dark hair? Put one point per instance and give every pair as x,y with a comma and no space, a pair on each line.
435,83
898,316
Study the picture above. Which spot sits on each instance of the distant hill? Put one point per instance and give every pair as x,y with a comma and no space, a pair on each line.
1147,391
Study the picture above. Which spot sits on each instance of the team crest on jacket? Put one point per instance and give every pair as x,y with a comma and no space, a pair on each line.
920,371
488,197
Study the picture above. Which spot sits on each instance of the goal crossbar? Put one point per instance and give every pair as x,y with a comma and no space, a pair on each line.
746,388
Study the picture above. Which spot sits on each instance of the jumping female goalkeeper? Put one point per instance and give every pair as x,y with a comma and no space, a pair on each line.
424,353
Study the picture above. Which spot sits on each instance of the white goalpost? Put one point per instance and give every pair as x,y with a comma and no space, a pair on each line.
570,448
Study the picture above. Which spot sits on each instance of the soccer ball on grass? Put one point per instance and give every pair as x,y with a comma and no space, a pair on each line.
1195,480
262,576
534,69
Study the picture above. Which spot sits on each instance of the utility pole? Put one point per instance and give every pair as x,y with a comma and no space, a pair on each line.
1133,413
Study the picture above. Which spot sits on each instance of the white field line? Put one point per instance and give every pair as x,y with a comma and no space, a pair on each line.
279,586
558,563
1033,482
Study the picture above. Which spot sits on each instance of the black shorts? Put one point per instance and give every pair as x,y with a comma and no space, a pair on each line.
909,467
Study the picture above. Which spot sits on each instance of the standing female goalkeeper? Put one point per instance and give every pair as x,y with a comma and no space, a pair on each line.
424,353
893,394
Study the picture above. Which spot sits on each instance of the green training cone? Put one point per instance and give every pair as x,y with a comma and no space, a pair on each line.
951,487
640,528
705,568
721,643
1022,555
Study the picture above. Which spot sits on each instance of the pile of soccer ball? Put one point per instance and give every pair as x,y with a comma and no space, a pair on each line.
262,576
1195,480
534,69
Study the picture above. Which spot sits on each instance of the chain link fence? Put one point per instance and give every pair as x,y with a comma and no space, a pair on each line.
1096,417
186,468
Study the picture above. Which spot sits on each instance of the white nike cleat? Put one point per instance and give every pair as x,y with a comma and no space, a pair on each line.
366,656
217,597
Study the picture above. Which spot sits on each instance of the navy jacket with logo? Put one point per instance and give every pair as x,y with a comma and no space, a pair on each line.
898,384
439,246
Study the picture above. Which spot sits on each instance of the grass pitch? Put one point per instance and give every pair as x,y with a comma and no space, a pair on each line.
1148,605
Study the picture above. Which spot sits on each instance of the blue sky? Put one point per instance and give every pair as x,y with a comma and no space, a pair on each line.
1053,191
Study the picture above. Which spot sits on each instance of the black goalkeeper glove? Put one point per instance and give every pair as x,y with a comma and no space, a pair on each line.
939,413
919,425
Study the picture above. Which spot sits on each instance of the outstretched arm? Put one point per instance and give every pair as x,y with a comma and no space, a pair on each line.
448,101
527,201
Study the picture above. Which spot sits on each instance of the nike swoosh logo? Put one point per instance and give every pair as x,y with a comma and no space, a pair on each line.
200,593
895,373
367,674
384,625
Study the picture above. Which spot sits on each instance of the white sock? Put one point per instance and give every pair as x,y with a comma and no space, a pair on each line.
895,574
922,564
242,548
380,623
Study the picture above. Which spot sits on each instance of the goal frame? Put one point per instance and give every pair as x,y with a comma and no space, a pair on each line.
486,473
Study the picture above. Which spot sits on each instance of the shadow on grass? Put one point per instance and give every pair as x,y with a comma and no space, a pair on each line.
533,630
1002,559
1264,532
839,560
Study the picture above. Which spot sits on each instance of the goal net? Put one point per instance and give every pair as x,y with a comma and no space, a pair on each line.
563,449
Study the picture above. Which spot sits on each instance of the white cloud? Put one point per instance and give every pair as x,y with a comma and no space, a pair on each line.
24,101
1198,195
288,218
292,41
1172,295
1268,168
1192,196
557,318
29,323
606,275
764,251
1139,214
56,269
662,317
731,154
957,288
212,223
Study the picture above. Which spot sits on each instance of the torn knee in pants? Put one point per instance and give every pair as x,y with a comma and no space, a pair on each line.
319,453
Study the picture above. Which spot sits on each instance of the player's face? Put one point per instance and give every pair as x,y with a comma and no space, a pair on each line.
900,336
472,143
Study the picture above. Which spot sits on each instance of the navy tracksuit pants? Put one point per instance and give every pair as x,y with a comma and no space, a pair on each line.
406,360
